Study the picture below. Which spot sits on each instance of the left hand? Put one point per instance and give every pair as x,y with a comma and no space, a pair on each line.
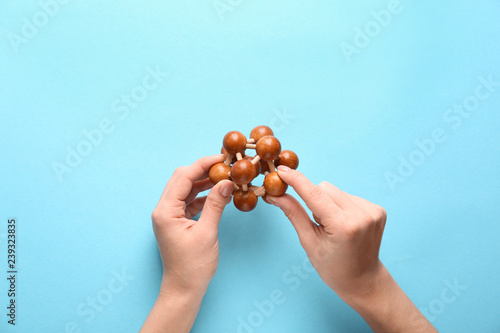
189,249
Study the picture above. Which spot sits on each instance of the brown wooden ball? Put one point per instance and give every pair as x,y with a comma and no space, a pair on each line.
243,172
274,185
260,131
245,200
234,142
268,148
288,158
256,165
219,172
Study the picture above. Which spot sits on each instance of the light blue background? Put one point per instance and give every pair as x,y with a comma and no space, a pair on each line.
351,123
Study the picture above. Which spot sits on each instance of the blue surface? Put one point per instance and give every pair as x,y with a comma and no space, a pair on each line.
352,119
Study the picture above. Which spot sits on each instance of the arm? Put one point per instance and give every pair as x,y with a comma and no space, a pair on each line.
343,246
174,311
189,249
386,308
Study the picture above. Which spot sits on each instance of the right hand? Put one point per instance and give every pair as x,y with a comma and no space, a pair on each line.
344,245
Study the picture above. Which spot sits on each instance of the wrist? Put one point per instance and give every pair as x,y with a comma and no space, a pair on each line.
175,288
175,308
372,291
375,303
386,308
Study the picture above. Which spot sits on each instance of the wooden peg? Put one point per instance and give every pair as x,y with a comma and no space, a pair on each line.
244,187
260,191
272,167
228,160
256,159
251,146
251,140
256,165
239,156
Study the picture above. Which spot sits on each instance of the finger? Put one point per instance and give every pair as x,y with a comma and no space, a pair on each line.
171,180
217,199
195,207
315,198
377,212
199,186
182,185
296,213
341,198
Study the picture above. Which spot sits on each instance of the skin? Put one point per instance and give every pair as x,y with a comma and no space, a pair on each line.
189,250
342,244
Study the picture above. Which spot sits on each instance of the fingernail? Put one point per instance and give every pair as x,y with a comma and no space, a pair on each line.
283,168
226,189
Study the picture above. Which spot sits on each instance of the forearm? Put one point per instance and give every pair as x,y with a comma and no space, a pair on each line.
386,308
174,311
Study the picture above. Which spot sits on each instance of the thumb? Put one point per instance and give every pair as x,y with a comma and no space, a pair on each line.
217,199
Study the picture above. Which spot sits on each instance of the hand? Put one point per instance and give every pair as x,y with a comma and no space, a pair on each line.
190,249
344,244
